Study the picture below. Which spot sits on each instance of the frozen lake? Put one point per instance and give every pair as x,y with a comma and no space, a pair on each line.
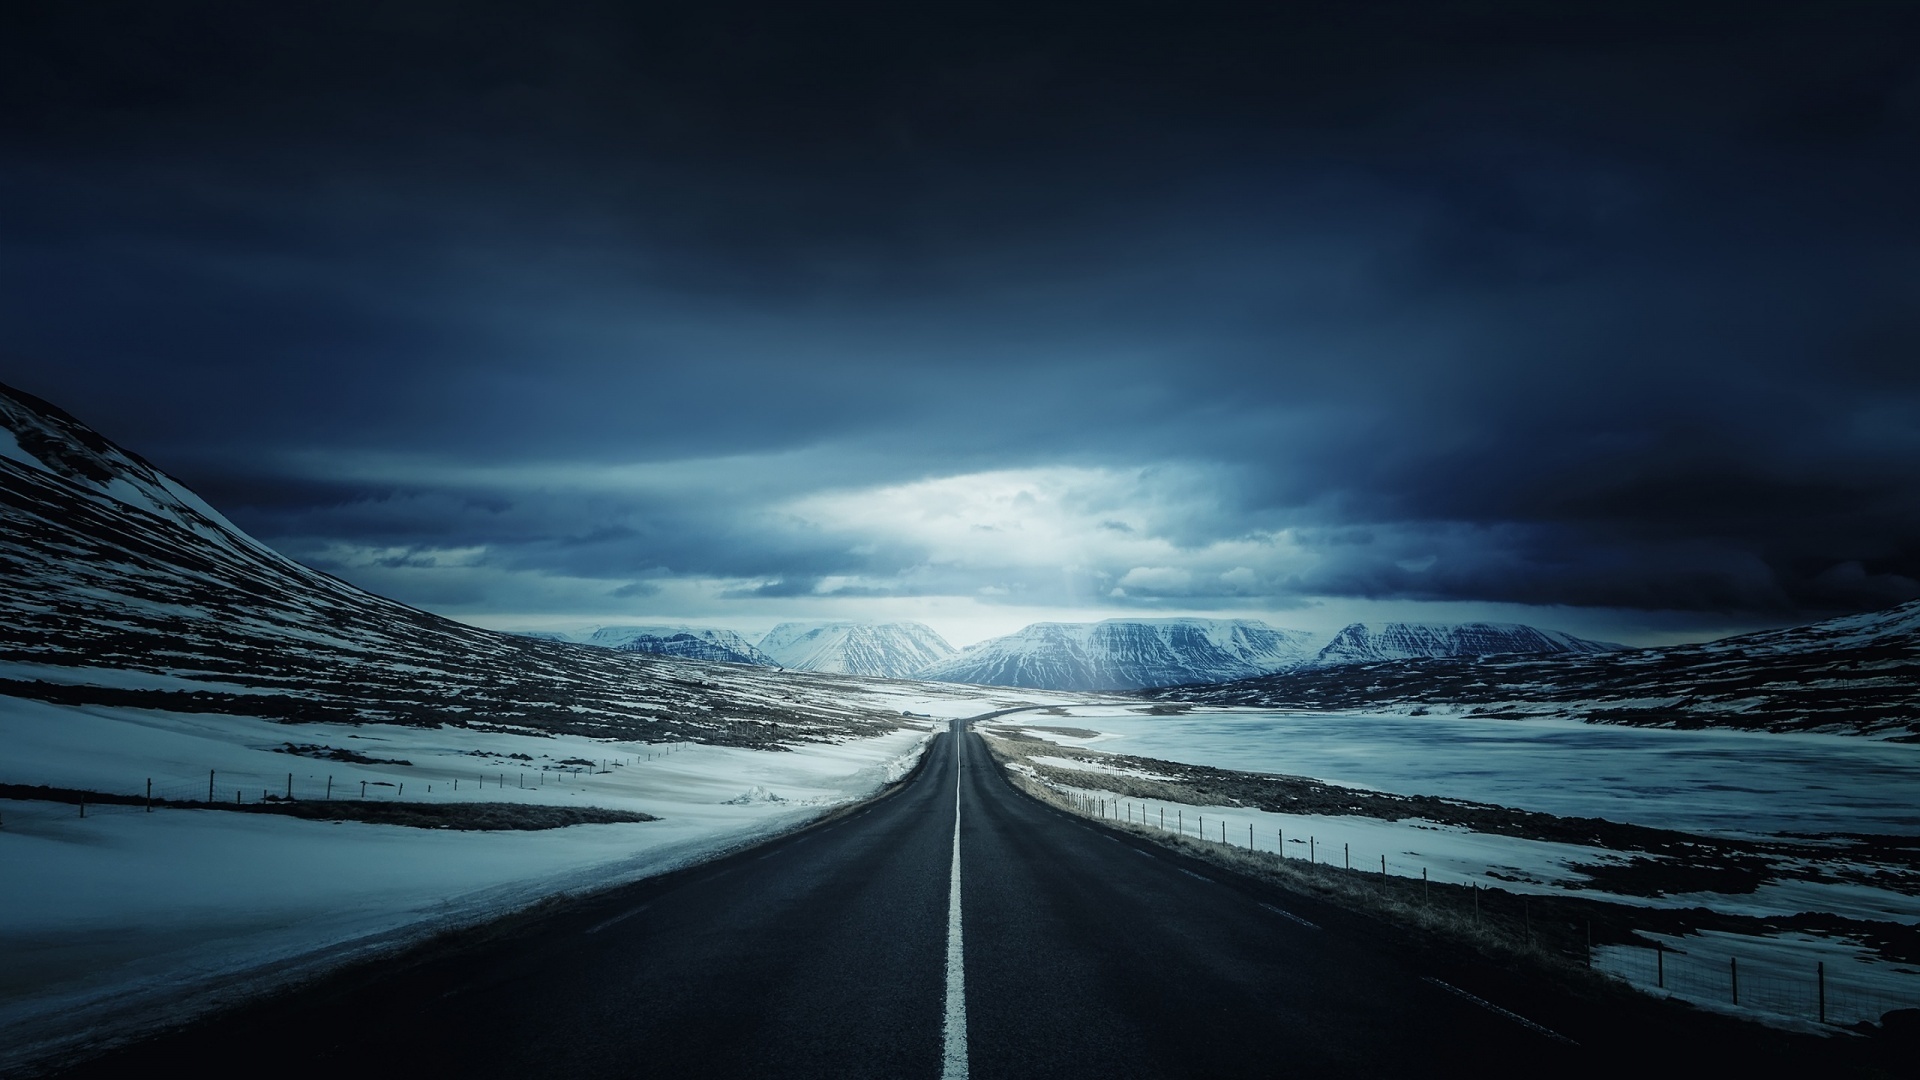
1699,781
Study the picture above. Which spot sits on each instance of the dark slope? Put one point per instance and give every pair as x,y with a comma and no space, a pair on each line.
1858,674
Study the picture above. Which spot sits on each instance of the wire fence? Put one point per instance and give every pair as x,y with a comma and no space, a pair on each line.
22,804
1810,979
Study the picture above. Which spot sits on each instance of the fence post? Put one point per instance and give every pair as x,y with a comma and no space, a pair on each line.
1733,970
1347,851
1820,976
1311,857
289,787
1249,836
329,789
149,794
363,789
1660,964
209,787
1383,866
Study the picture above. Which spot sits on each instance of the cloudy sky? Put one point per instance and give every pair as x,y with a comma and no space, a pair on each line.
1603,317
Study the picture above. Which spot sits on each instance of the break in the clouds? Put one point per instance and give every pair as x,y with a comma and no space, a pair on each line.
729,312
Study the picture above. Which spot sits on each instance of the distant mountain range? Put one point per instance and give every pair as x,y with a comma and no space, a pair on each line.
895,650
1127,654
1858,674
1115,654
1133,654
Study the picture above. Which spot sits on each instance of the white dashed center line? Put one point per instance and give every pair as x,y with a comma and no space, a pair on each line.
954,1060
1498,1011
1290,915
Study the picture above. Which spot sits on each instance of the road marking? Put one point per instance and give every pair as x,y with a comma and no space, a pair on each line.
622,917
1191,874
781,848
954,1060
1491,1007
1137,851
1290,915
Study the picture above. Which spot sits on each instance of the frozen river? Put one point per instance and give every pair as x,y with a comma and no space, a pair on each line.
1700,781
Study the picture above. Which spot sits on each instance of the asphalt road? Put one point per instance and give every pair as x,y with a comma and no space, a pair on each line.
825,954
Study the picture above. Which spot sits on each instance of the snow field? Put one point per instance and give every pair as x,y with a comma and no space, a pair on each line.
1733,783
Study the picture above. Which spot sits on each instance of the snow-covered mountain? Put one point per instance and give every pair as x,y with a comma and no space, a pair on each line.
1359,643
689,642
1127,654
1855,674
895,650
118,586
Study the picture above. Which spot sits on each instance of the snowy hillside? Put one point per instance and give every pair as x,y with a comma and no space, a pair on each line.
896,650
1360,643
1856,674
1125,654
123,588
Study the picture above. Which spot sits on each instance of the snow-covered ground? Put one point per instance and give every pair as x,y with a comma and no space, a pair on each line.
1716,782
1712,781
127,917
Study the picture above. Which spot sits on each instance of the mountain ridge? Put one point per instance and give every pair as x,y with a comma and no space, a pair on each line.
665,639
890,650
1363,642
1125,654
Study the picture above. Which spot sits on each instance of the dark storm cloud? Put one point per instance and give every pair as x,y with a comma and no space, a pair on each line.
1604,305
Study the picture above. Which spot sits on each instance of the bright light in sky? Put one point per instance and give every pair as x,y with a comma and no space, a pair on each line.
972,554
